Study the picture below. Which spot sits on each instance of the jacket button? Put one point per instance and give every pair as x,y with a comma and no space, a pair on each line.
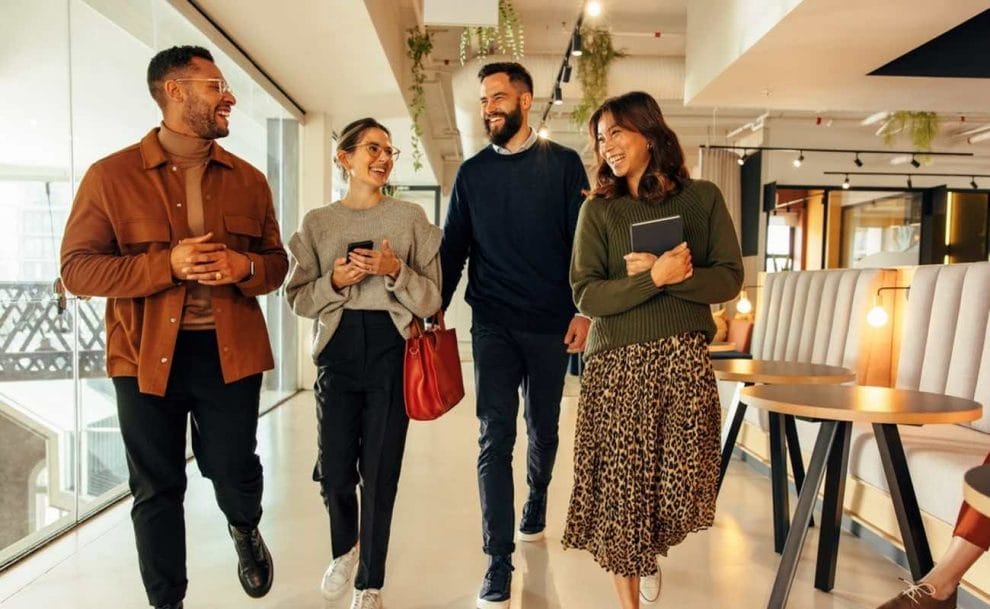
174,168
178,204
171,320
164,360
226,349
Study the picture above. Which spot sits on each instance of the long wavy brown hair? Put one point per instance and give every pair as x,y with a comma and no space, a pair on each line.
665,174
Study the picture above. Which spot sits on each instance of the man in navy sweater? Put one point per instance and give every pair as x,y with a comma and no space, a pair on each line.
512,215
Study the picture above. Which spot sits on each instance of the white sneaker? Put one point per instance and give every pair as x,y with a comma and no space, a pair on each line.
339,576
650,586
367,599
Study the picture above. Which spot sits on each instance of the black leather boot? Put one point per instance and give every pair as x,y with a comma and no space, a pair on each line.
254,561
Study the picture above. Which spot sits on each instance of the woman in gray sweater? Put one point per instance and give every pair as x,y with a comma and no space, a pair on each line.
362,297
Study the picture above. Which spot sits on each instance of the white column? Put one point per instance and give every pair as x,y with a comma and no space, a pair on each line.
316,178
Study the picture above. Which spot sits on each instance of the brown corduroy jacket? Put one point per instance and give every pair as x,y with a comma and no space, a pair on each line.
128,214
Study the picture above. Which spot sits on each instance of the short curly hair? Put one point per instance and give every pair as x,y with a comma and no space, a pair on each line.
166,62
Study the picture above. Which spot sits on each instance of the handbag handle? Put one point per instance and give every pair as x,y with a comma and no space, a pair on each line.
416,328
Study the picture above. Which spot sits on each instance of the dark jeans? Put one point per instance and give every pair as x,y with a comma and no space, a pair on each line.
504,361
224,439
362,435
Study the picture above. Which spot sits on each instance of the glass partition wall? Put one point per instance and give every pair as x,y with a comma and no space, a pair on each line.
72,74
813,228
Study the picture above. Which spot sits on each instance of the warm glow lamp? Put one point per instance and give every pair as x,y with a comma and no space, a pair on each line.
878,316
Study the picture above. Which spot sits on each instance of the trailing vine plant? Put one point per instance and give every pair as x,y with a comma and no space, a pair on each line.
418,46
921,127
506,38
592,70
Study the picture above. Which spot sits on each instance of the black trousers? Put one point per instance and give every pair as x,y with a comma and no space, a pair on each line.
224,438
504,361
362,436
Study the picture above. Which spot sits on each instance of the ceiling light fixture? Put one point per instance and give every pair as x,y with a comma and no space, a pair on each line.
558,96
845,184
857,161
742,160
973,183
576,47
544,132
909,184
915,162
593,8
797,162
845,151
565,75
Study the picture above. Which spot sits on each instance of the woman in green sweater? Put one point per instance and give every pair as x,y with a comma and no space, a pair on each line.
646,456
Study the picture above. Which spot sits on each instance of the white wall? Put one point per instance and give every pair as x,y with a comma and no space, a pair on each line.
720,31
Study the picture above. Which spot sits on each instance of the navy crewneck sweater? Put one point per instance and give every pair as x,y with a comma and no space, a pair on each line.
512,217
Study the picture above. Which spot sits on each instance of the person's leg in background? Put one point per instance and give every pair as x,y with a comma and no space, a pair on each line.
546,360
154,433
498,372
937,589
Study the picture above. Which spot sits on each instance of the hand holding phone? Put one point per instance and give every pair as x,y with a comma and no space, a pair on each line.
363,245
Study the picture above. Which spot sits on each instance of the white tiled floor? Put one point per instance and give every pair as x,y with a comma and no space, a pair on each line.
435,560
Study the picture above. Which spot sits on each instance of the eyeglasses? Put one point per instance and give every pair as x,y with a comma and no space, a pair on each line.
376,150
221,84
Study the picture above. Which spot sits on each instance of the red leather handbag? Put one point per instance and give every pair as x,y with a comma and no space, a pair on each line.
432,380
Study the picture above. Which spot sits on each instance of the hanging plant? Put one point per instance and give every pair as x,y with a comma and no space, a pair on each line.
418,46
506,38
592,70
921,127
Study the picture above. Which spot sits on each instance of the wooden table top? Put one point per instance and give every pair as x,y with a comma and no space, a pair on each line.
976,489
776,372
721,347
862,404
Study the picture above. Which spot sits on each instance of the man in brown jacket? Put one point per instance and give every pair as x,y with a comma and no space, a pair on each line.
181,236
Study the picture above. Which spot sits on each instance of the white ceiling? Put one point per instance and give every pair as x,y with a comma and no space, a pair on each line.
345,58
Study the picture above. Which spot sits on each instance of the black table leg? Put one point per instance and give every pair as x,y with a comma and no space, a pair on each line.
736,414
778,480
835,492
794,450
802,515
895,468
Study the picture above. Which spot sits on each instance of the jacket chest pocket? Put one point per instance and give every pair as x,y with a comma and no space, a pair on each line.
140,236
243,231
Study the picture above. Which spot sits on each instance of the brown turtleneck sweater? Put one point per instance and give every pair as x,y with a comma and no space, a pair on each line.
191,155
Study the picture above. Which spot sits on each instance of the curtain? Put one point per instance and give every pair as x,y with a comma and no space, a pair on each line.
722,168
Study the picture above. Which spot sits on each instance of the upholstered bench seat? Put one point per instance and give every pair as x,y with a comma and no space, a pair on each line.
937,455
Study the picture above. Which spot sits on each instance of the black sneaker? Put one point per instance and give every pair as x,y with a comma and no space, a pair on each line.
534,517
254,561
498,582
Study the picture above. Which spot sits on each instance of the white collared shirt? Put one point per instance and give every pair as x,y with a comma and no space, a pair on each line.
525,145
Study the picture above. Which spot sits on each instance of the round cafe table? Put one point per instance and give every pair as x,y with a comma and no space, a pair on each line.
837,407
783,433
976,489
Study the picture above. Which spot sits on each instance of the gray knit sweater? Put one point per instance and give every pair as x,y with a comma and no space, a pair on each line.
323,237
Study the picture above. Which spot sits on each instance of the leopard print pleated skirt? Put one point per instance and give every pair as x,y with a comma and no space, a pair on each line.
646,455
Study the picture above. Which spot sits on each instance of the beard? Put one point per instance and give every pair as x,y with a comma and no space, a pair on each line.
510,127
202,119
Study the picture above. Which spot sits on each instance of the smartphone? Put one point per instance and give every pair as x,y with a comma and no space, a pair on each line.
364,245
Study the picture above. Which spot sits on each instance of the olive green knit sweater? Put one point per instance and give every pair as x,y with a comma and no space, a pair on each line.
627,310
